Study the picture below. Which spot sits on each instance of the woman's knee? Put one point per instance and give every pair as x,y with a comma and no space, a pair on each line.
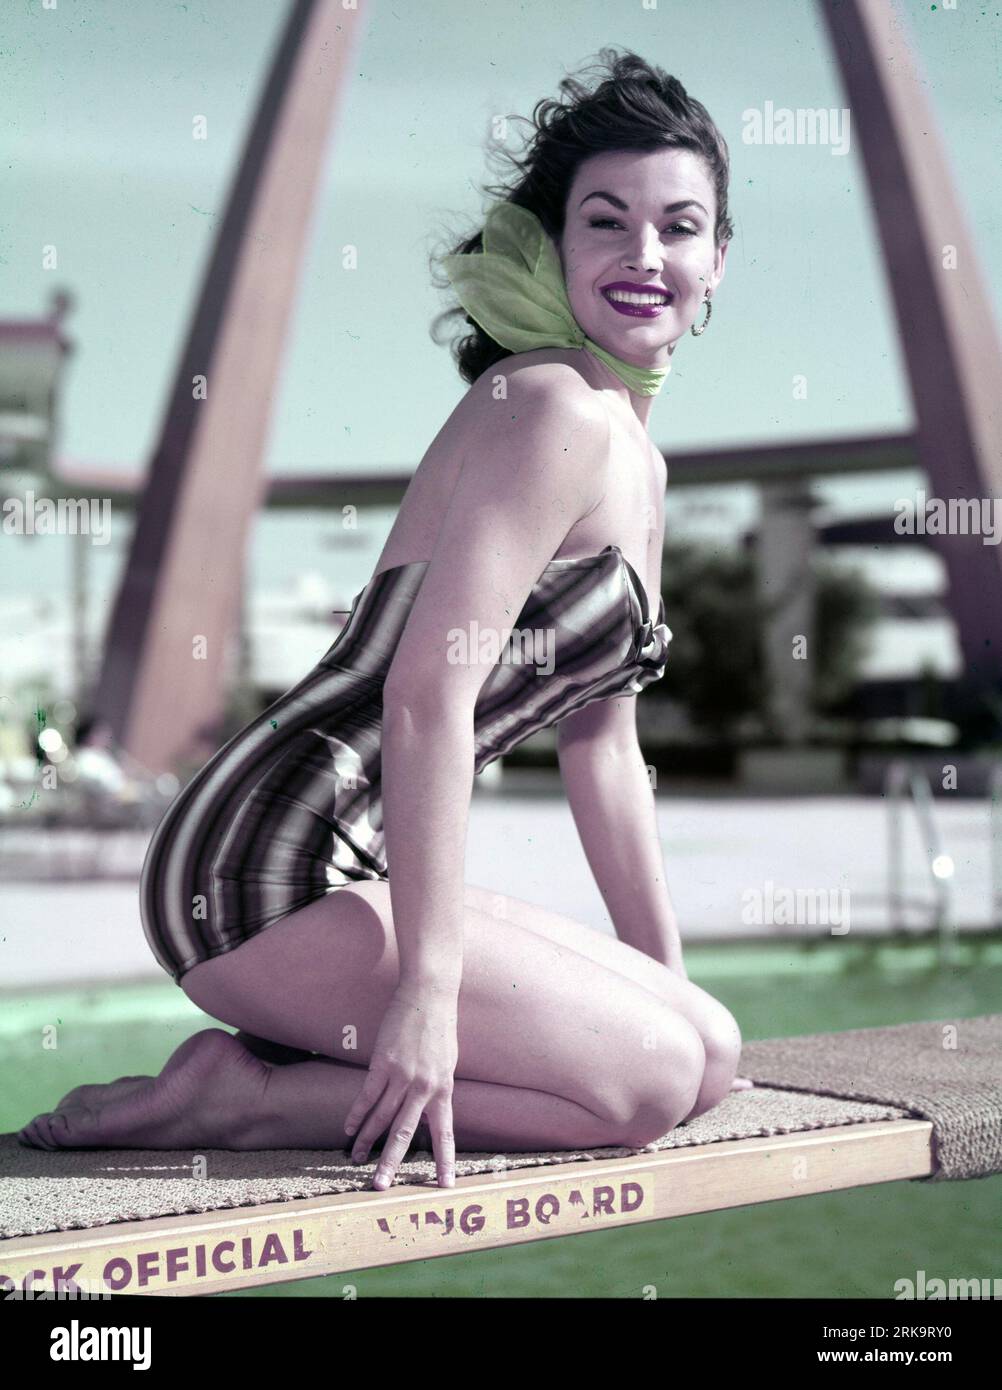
664,1078
722,1040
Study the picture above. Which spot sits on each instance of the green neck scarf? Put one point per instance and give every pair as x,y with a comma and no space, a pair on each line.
515,291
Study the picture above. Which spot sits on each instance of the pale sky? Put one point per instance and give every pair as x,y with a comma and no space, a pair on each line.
98,98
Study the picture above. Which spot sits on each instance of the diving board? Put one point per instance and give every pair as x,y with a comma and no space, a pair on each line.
221,1251
829,1111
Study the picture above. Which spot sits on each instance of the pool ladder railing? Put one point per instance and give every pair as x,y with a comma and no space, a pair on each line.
905,781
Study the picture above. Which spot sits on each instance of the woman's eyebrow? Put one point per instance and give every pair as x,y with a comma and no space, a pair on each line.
625,207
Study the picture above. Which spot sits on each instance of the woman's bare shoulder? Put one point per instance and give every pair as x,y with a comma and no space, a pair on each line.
530,408
534,407
542,372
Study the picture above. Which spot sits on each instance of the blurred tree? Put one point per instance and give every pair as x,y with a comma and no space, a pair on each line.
847,607
715,667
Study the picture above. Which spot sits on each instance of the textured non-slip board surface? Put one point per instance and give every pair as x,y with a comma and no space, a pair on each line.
948,1071
43,1191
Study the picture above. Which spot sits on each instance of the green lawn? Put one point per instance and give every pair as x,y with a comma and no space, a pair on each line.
850,1244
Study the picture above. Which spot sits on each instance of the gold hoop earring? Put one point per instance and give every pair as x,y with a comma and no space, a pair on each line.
709,310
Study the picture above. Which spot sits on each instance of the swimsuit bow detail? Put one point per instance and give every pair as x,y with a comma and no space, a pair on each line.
654,639
652,651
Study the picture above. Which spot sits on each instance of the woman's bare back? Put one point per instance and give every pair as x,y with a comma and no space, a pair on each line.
630,514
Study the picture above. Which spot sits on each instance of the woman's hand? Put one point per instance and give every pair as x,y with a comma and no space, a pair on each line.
411,1072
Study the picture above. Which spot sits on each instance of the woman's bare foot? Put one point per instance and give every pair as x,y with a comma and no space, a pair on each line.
88,1094
207,1096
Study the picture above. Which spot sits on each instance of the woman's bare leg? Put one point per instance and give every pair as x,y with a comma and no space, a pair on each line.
555,1050
716,1026
311,1098
215,1093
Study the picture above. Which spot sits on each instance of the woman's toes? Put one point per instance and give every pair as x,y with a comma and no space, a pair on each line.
33,1136
51,1129
43,1128
61,1129
58,1128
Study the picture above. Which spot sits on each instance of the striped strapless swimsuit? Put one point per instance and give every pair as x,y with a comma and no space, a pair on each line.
290,809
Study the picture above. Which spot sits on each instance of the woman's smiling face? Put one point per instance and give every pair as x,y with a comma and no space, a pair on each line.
642,220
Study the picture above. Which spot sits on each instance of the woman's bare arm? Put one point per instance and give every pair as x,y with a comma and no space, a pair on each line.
539,466
609,791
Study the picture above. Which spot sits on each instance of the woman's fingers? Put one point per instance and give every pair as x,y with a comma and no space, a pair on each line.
398,1141
372,1089
377,1121
439,1116
399,1115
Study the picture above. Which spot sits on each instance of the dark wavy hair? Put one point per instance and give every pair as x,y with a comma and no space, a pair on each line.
634,106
